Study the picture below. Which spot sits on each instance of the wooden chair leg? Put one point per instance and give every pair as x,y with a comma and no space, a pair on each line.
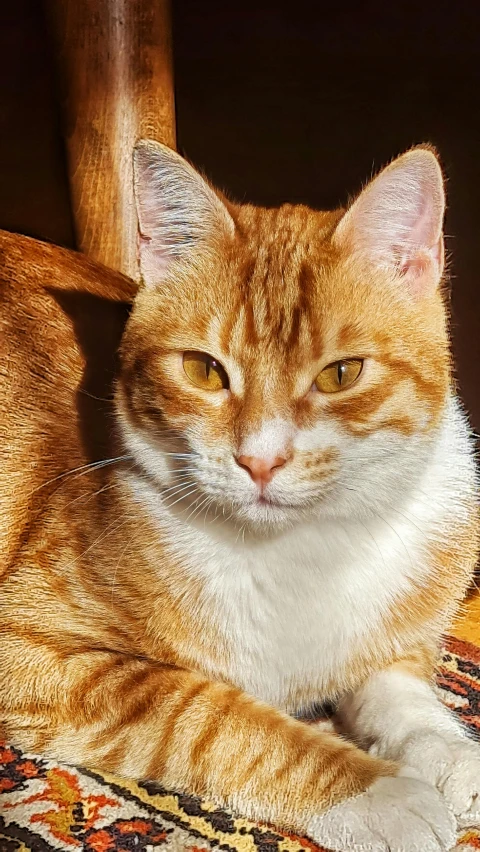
114,60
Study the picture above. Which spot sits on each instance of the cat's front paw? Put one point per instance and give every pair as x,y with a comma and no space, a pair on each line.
399,814
453,766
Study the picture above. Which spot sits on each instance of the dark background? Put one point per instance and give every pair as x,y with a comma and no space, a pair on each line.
282,101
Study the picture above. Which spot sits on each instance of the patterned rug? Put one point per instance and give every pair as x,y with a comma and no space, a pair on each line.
45,806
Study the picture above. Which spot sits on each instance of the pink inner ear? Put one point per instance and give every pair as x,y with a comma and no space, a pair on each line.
397,227
153,260
423,224
417,265
419,271
423,268
397,220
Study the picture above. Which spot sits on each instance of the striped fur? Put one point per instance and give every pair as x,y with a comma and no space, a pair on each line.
160,617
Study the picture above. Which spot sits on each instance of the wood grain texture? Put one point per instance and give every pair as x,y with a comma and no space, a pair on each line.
114,60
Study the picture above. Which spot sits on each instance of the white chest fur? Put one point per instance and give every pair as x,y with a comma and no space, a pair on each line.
292,610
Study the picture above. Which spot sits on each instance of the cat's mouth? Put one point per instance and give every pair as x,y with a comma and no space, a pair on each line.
264,500
269,512
273,506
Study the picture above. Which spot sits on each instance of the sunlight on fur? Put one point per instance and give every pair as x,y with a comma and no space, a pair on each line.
285,512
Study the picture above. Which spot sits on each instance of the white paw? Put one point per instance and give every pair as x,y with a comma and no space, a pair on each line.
453,766
399,814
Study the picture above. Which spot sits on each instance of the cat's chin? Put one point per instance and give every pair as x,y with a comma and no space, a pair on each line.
268,515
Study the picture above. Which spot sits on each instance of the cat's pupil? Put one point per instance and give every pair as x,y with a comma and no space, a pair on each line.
208,365
340,371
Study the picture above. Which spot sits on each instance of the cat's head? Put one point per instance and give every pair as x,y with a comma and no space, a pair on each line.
284,362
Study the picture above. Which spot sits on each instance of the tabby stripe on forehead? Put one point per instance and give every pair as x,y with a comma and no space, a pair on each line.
250,328
227,330
307,286
294,335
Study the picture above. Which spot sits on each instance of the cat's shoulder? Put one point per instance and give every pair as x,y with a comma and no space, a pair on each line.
57,309
61,322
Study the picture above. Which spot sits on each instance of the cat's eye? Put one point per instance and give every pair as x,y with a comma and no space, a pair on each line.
339,375
204,371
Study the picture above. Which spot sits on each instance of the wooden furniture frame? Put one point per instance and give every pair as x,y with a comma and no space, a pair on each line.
114,63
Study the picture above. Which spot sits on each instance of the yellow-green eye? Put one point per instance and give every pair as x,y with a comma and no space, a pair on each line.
339,375
204,371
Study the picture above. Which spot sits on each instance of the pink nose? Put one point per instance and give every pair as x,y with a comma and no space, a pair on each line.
261,470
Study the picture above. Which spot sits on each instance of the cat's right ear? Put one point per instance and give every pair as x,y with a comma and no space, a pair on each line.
179,215
397,221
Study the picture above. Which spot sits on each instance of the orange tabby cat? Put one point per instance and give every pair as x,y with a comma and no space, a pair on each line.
278,509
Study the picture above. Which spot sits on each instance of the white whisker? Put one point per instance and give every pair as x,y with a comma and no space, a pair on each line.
170,505
84,468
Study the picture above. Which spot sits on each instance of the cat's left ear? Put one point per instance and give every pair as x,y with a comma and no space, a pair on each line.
179,214
397,221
